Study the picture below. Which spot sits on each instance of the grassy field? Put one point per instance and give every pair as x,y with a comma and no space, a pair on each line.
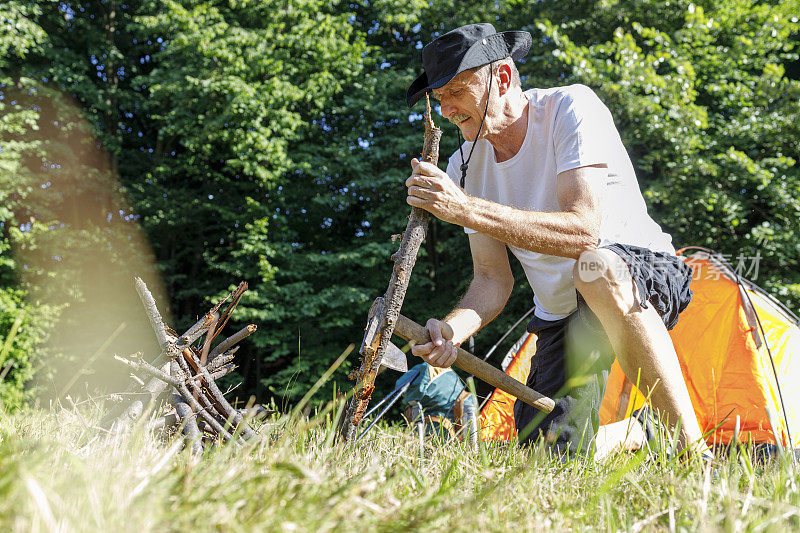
58,473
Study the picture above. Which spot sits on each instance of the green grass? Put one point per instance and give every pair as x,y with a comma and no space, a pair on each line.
58,473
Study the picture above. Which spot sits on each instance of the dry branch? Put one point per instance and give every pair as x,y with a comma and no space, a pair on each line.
236,338
194,332
152,313
209,338
188,421
220,361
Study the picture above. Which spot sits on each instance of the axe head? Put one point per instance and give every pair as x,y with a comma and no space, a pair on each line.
394,357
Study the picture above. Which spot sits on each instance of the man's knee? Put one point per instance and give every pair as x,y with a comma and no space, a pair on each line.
603,279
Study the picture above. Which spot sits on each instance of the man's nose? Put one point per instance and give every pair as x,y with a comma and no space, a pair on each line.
447,108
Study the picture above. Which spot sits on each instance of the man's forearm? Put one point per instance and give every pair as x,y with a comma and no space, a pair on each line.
484,300
562,234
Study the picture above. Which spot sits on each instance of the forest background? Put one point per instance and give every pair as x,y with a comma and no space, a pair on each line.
198,143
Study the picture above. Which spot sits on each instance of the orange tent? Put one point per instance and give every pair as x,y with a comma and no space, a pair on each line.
735,344
497,416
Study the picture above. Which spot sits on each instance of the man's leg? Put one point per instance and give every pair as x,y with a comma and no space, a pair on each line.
640,340
577,392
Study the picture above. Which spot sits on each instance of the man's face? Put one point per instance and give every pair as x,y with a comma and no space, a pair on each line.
463,101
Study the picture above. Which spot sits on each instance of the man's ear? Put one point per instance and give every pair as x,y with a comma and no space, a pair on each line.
503,78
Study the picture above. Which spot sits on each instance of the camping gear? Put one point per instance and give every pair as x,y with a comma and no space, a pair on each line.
735,344
411,331
496,418
440,393
380,324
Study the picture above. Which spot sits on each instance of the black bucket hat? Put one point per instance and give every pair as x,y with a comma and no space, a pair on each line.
470,46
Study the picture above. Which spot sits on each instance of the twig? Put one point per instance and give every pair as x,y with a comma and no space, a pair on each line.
188,420
115,397
144,366
194,332
237,337
230,412
224,371
152,390
220,372
201,399
187,395
232,388
220,361
209,337
237,295
152,313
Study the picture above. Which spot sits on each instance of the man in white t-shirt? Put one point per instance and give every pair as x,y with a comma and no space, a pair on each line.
544,173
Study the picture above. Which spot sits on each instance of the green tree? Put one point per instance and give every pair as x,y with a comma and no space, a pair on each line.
75,241
20,323
243,104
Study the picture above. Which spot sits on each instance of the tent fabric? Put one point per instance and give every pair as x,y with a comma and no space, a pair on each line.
497,416
724,360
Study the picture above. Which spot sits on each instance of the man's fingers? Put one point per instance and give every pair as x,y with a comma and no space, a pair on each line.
413,201
453,354
419,192
426,182
423,168
436,332
439,351
427,169
422,350
442,356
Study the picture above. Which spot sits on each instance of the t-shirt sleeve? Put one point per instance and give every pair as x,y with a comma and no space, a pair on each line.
455,174
581,130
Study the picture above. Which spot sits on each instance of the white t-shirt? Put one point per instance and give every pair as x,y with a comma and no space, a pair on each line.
568,127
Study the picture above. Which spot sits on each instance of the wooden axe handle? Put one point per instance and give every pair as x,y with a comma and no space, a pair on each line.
411,331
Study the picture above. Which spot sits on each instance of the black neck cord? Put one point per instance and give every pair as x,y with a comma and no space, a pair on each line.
465,164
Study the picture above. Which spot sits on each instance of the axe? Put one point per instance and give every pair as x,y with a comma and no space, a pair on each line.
409,330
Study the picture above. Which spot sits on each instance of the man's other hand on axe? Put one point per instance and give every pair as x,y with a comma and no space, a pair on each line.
543,173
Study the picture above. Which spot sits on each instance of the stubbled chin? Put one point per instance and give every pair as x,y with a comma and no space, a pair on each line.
466,131
469,134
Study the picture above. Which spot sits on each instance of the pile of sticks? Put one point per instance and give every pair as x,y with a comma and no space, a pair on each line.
184,376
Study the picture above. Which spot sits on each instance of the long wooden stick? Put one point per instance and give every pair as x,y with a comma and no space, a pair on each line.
372,350
411,331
